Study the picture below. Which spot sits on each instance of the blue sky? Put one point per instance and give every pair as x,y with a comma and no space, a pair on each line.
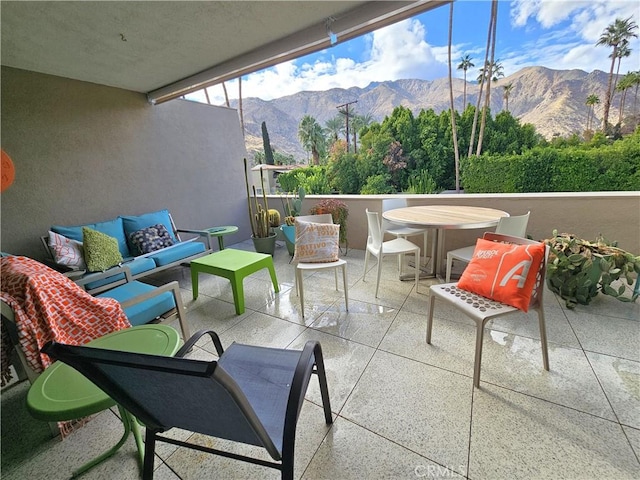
558,34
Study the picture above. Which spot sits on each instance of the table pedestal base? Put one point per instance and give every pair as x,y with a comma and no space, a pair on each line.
130,426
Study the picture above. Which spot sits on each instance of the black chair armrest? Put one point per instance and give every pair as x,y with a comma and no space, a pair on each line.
195,337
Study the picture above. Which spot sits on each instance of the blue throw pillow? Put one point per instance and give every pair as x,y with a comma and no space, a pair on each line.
150,239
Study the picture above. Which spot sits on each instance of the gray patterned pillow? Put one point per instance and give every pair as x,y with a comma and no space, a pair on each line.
151,239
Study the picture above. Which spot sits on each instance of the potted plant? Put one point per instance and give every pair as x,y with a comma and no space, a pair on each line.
292,206
578,269
264,239
339,212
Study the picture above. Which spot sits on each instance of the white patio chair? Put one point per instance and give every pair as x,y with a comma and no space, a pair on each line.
481,309
379,248
302,267
515,226
403,231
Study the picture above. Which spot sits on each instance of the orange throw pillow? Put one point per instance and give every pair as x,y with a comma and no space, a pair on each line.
503,272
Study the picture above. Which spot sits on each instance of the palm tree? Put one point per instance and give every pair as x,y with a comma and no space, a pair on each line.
464,65
493,72
358,122
497,71
334,127
506,92
312,137
635,80
623,51
592,100
623,85
612,36
454,131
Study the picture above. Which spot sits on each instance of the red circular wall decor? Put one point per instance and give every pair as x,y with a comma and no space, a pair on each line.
7,171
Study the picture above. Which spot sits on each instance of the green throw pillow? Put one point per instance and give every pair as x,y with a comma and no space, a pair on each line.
100,250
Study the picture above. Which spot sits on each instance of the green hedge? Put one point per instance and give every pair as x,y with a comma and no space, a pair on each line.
614,167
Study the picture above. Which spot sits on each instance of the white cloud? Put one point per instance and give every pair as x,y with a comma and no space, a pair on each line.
564,34
397,51
572,44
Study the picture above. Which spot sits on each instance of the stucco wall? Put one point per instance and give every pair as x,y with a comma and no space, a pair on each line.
616,215
86,153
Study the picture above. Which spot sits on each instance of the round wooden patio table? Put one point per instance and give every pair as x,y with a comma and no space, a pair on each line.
444,217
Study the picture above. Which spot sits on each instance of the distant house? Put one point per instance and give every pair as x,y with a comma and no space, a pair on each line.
271,174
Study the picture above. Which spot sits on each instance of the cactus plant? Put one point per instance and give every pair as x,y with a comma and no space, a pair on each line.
292,205
274,217
260,218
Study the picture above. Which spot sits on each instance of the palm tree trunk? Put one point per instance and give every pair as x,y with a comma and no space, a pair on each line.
607,99
454,132
475,114
226,95
492,28
464,94
615,79
621,113
240,104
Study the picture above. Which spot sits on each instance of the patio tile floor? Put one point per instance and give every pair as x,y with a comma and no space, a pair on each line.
403,409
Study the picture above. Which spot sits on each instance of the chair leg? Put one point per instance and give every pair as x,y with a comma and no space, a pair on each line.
432,304
184,325
287,468
417,267
346,287
449,265
322,379
300,289
335,275
379,273
424,251
478,355
366,260
543,339
149,454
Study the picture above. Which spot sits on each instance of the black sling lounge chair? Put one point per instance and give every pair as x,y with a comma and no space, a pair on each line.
251,395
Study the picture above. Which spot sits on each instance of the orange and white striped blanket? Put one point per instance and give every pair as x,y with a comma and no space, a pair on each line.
49,306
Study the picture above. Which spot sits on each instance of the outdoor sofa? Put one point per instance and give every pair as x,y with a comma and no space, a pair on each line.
146,243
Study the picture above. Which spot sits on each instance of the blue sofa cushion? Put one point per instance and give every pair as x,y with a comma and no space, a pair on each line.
177,252
114,228
137,266
133,223
142,312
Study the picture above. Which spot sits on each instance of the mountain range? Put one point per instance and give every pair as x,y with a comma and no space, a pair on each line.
552,100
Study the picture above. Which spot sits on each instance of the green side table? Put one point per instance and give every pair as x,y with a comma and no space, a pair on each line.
218,232
233,265
60,393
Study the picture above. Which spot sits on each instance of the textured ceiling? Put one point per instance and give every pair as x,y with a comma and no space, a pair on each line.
143,45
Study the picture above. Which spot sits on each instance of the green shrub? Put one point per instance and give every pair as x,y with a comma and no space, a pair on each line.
568,168
377,184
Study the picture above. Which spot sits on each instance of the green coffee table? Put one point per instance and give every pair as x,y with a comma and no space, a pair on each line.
233,265
60,393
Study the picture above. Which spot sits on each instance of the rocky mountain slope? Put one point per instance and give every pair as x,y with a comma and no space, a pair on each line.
552,100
